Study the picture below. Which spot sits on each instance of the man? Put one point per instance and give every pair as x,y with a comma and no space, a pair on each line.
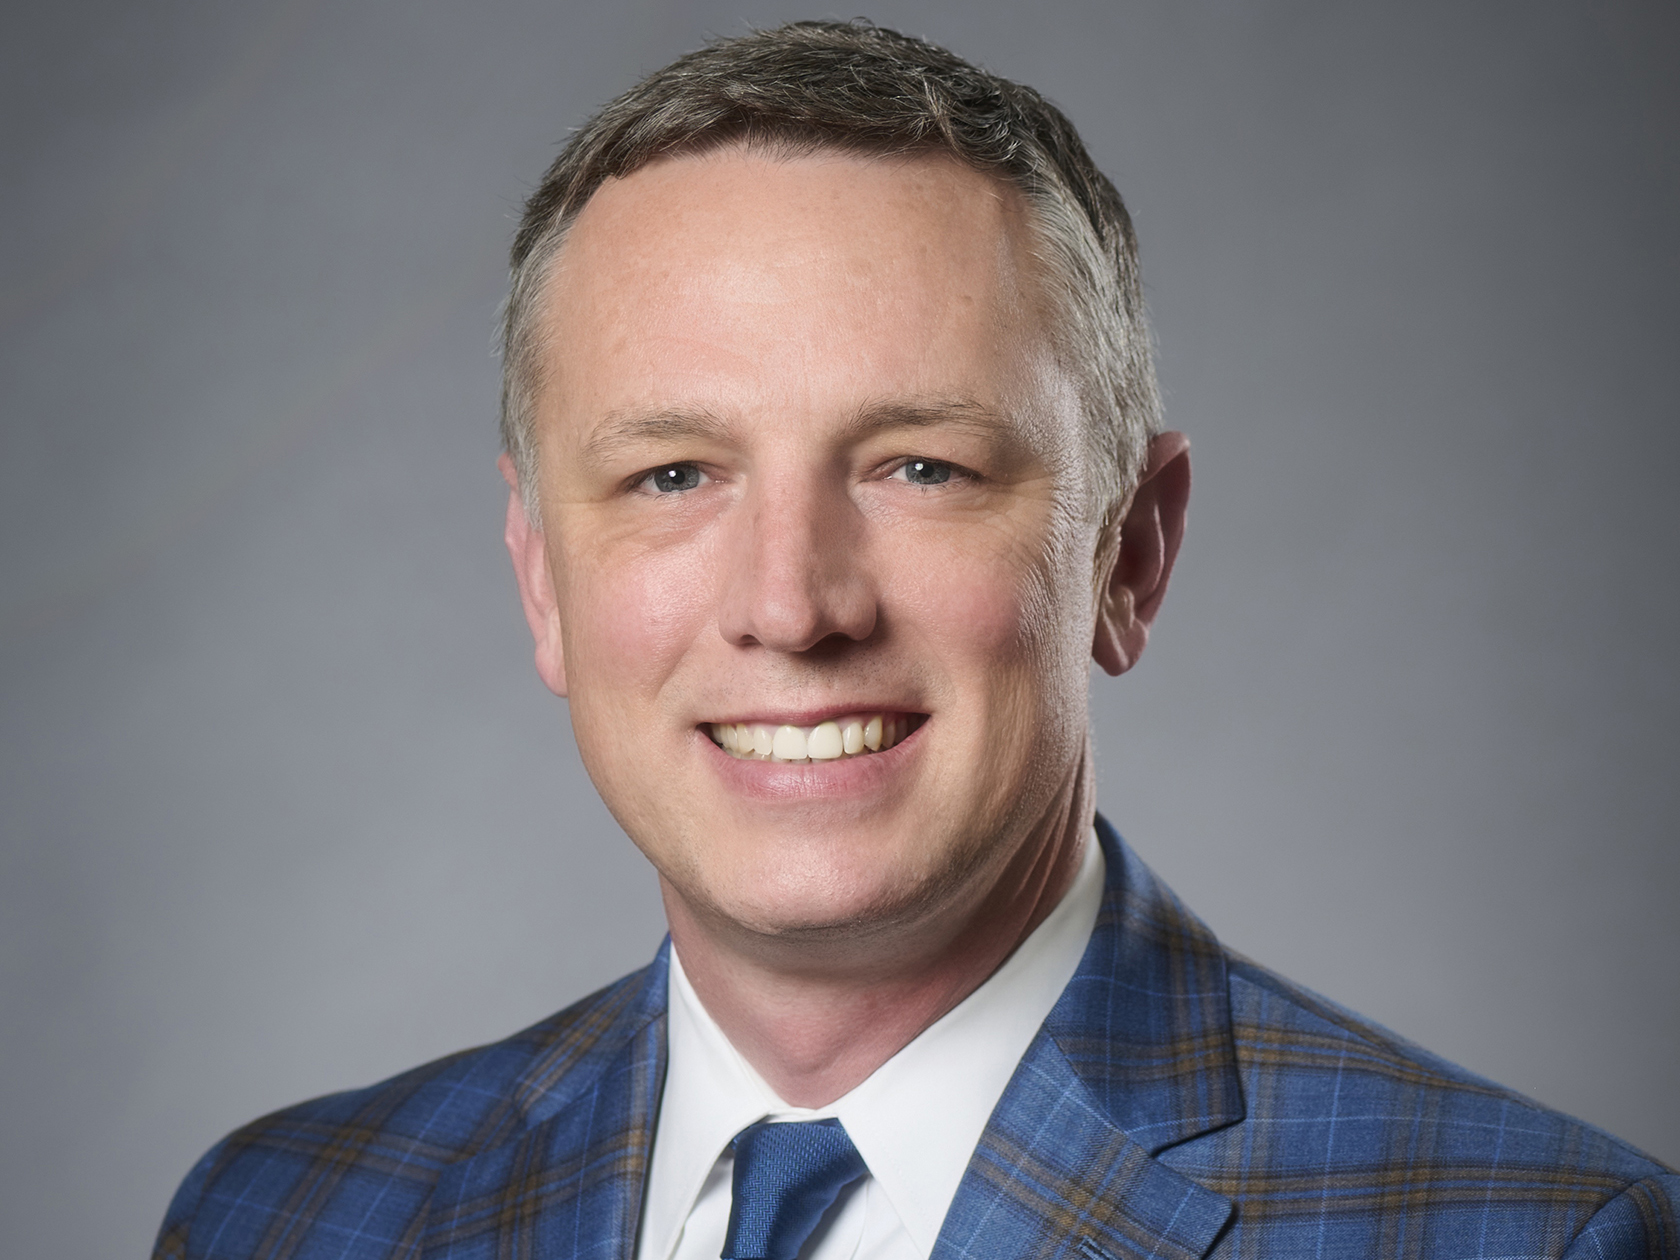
834,457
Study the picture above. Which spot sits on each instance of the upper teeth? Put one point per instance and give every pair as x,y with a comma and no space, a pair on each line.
854,736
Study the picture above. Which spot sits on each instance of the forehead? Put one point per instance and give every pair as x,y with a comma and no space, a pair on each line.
736,279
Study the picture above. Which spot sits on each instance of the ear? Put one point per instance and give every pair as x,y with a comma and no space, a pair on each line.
529,552
1141,559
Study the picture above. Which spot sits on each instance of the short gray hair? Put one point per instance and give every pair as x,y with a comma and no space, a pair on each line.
860,88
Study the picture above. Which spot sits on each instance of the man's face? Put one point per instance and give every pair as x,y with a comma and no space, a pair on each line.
806,458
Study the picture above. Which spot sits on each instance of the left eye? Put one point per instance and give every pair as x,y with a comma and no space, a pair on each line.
673,478
924,472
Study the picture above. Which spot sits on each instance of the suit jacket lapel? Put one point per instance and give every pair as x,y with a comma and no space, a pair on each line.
1136,1057
569,1185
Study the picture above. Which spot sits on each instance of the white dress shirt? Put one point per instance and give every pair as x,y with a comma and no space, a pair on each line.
915,1121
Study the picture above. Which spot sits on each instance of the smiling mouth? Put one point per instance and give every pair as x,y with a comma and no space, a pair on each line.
855,735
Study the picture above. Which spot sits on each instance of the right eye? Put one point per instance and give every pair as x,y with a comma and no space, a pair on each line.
924,472
672,478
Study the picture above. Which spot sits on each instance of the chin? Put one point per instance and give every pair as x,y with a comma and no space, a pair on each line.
805,901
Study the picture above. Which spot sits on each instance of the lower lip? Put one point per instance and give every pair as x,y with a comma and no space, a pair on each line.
813,780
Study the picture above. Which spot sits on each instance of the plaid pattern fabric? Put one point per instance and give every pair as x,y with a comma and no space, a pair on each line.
536,1146
1179,1102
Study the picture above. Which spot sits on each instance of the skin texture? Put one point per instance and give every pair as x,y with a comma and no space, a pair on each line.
792,334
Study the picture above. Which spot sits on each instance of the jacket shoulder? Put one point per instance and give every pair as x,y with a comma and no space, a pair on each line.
1282,1027
349,1174
1409,1141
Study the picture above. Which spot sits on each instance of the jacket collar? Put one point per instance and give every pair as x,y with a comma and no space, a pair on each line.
1136,1057
568,1180
1146,1020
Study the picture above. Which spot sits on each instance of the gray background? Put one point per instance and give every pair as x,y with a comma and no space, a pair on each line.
284,806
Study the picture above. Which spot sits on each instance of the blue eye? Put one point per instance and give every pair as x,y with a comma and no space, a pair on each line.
926,472
674,478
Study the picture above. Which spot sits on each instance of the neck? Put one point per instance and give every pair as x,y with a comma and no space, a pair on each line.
815,1034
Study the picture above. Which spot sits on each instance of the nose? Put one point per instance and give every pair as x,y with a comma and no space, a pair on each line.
794,569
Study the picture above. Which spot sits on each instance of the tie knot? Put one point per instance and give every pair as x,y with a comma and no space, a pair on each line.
786,1176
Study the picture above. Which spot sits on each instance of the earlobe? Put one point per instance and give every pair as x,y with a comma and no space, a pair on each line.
1130,594
528,550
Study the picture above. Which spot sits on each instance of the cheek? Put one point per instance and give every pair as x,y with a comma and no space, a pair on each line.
628,621
1008,627
997,607
980,616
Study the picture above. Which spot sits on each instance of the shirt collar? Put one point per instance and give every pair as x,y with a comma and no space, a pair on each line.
915,1121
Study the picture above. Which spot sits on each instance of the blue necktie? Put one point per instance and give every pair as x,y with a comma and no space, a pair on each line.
786,1177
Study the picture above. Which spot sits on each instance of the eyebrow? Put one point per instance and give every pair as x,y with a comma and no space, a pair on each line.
631,428
962,413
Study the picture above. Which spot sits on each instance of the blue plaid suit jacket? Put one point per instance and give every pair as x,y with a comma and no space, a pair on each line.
1179,1102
